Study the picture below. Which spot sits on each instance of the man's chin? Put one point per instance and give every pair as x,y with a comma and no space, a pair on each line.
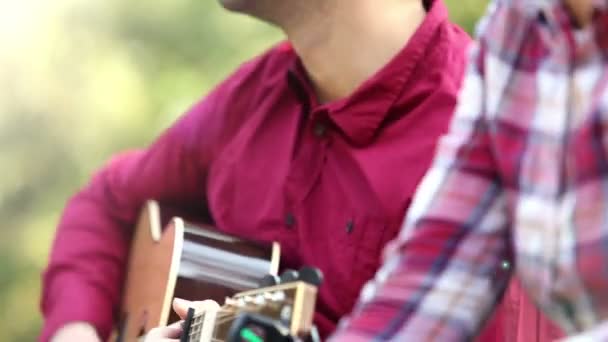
235,5
255,8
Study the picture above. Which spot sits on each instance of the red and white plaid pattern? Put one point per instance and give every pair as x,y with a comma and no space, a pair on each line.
521,178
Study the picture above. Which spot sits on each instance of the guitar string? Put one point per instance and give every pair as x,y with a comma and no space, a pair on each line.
226,319
219,321
198,320
224,315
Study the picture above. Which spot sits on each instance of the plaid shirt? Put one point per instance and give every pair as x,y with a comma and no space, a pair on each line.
521,178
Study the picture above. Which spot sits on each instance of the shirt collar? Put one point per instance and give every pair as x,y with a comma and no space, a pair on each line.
360,115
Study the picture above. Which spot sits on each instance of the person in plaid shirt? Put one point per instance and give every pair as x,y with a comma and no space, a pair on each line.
521,176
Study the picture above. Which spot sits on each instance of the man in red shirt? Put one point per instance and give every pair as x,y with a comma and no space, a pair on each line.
318,144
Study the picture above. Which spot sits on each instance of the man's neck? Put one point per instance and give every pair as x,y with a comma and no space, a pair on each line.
346,43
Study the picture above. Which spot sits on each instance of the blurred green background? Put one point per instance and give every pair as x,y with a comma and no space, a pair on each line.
80,80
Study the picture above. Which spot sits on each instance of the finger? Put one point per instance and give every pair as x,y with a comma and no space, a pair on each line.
163,334
181,306
171,332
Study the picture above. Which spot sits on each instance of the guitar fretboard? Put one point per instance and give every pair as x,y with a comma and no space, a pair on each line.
289,305
196,327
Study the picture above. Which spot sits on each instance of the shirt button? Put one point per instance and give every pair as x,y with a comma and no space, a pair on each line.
350,226
320,129
290,220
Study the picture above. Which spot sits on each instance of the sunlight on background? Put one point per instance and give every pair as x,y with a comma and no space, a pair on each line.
82,79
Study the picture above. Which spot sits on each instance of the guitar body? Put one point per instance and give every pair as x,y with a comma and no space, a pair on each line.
186,261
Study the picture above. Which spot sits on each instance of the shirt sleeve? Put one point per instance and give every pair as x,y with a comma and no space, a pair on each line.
83,279
444,274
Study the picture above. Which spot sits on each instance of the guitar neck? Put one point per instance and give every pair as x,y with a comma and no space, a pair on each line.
290,305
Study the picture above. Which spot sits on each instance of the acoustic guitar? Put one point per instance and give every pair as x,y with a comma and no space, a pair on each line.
196,262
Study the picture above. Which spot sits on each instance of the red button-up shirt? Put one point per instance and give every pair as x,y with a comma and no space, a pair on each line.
330,182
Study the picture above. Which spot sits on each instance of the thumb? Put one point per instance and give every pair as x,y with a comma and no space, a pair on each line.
181,306
168,333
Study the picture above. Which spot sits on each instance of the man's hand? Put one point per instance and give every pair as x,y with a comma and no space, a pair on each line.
173,331
77,331
582,10
181,306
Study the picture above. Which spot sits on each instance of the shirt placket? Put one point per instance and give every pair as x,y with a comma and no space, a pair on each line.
310,150
309,159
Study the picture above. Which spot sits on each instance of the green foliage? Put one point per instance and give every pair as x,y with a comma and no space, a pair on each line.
466,12
80,80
